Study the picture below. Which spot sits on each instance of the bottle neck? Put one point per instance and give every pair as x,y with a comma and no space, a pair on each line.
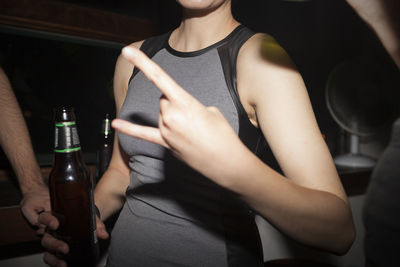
69,156
106,129
67,145
106,132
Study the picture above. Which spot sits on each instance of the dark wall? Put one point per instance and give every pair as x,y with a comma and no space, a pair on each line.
318,35
46,74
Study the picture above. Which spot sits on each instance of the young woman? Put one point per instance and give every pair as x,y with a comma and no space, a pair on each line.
186,172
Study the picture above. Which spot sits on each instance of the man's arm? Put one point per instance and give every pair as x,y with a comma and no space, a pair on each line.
382,17
16,143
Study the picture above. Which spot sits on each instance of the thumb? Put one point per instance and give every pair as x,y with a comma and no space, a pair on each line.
31,215
101,229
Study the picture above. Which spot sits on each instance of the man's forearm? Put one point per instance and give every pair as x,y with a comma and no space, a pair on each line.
28,173
382,17
390,38
15,140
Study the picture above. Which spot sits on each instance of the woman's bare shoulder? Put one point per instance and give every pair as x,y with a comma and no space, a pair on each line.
264,49
122,73
262,65
123,67
122,61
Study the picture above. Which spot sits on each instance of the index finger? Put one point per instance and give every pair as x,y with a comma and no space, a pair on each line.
48,219
154,73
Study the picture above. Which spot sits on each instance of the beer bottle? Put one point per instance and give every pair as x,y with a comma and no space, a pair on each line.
71,193
104,148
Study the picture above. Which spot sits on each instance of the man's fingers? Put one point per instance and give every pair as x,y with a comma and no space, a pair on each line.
147,133
52,244
52,260
41,230
46,218
154,73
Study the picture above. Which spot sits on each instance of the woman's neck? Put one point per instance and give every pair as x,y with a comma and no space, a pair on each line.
200,29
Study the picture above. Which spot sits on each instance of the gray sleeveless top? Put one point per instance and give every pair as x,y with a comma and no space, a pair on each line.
160,180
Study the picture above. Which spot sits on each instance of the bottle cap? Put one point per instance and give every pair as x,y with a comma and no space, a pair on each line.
62,114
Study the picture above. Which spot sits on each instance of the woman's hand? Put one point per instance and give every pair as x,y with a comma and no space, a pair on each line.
198,135
56,247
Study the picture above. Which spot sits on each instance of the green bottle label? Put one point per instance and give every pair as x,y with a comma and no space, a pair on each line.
66,137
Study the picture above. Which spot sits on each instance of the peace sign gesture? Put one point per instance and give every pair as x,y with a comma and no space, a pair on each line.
198,135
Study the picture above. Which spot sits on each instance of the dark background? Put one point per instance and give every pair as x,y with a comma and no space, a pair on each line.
48,71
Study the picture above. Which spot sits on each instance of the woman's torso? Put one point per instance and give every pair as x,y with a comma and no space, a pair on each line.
162,182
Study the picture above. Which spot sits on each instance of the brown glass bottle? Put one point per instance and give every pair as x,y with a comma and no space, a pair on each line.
71,193
104,148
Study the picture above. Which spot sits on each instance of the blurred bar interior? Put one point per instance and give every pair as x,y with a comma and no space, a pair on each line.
59,52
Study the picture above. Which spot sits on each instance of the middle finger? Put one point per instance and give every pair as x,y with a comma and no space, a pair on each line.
53,244
48,219
154,73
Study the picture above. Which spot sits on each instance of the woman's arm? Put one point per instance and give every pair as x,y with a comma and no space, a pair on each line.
309,203
110,191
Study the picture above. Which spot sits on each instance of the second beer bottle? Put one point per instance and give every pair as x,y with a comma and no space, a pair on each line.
71,193
104,148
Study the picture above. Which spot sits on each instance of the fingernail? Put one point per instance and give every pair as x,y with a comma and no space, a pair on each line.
128,51
53,225
114,123
63,249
